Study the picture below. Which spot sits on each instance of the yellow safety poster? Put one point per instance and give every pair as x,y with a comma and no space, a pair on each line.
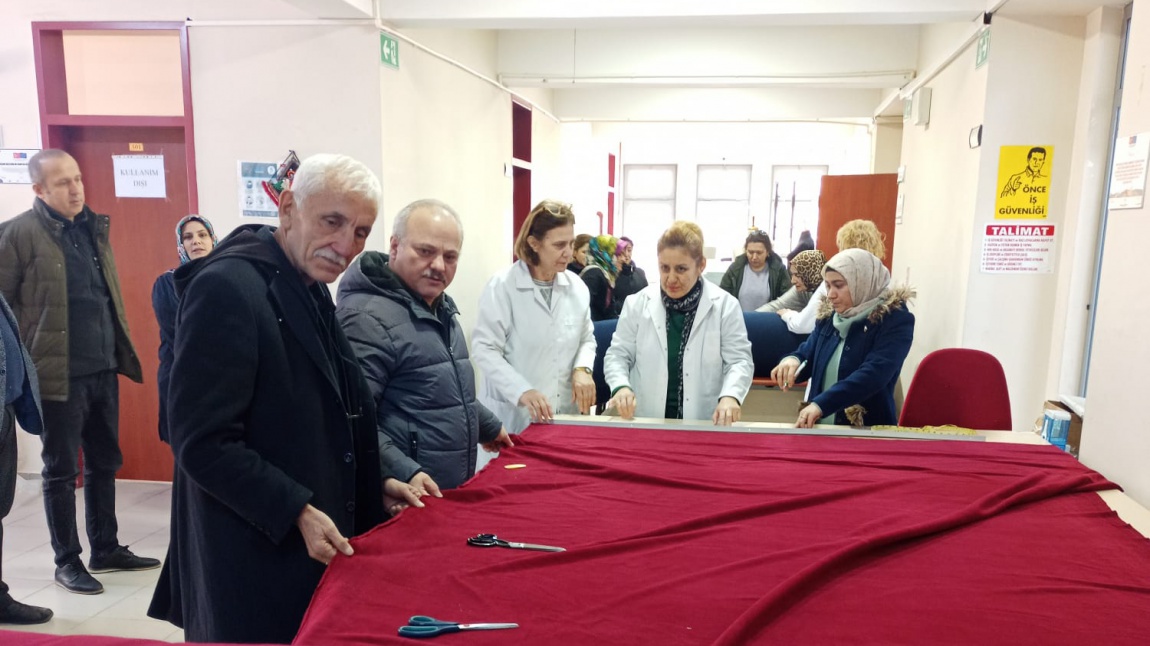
1023,182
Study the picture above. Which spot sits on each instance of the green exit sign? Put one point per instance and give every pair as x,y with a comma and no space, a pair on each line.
982,51
388,51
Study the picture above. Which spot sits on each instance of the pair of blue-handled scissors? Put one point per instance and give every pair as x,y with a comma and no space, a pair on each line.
420,626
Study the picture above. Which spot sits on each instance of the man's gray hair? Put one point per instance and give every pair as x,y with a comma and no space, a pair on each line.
336,173
399,228
36,164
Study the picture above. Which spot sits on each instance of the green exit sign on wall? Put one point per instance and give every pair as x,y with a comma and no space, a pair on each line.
388,51
982,51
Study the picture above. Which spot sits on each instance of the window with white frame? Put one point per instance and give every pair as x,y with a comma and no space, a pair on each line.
648,208
794,205
723,207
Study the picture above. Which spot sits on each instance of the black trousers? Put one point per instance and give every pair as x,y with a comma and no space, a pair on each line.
89,419
7,480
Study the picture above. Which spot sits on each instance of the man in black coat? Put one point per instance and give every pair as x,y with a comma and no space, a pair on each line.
271,422
19,401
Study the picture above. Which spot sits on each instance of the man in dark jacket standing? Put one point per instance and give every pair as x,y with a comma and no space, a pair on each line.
19,401
407,336
58,274
271,422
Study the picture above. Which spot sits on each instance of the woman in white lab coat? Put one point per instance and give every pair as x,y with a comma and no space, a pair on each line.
680,349
534,341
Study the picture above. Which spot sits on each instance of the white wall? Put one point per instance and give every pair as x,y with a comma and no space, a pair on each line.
933,243
1115,440
1027,59
447,135
242,112
1087,169
950,192
886,147
761,51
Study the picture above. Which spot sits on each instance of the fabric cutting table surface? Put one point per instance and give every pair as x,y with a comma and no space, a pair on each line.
676,537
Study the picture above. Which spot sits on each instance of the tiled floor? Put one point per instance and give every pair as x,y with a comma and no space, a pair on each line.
142,510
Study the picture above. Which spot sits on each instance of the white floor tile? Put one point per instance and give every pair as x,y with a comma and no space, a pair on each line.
143,512
137,628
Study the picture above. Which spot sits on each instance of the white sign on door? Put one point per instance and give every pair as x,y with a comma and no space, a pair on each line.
140,176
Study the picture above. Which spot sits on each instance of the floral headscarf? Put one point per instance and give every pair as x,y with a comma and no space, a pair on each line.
601,253
180,234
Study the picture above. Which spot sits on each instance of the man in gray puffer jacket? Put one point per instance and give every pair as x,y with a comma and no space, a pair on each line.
405,333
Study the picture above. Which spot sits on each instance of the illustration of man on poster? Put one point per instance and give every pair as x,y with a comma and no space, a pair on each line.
1031,175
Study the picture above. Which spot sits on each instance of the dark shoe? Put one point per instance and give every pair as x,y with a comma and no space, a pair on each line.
14,612
74,578
121,560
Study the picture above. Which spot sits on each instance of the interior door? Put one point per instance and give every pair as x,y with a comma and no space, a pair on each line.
849,197
144,242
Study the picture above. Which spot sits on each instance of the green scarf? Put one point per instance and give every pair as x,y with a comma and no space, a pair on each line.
831,376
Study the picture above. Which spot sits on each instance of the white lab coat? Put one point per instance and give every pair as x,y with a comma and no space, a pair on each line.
717,361
520,344
803,321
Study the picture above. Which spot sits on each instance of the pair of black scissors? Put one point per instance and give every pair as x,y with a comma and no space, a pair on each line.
421,626
491,540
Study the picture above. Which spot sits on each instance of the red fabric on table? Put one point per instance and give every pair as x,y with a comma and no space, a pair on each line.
16,637
679,537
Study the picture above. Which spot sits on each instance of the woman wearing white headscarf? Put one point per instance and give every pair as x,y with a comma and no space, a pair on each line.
854,356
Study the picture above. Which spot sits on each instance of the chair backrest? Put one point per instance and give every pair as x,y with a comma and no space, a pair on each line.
770,340
958,386
604,330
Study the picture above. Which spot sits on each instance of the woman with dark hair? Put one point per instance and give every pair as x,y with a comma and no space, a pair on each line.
680,350
855,354
806,243
195,238
534,341
758,275
579,259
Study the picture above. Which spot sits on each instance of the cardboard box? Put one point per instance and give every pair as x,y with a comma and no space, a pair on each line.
1075,435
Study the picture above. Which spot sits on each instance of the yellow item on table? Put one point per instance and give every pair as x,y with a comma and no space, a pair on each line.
948,429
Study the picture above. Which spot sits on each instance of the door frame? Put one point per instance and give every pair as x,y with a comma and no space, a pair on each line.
52,88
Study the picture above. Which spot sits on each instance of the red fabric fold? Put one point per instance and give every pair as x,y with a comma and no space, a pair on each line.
680,537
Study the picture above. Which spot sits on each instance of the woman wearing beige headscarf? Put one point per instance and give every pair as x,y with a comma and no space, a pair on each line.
854,356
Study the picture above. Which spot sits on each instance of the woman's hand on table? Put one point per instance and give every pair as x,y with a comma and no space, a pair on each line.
624,403
809,416
727,412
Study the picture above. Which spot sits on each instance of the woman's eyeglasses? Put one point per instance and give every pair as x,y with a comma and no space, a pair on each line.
558,209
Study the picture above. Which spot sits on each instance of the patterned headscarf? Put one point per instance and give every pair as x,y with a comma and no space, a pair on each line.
180,234
601,253
867,279
808,266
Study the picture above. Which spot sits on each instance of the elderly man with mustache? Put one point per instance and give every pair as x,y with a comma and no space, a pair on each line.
277,456
405,331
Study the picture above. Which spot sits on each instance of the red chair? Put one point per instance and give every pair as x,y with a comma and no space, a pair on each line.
958,386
